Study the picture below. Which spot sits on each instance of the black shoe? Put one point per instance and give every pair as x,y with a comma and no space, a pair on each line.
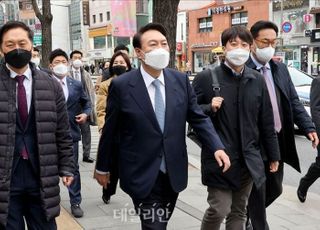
106,199
76,211
88,159
301,196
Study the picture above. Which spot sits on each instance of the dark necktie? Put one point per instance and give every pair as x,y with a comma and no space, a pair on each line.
22,108
273,99
159,110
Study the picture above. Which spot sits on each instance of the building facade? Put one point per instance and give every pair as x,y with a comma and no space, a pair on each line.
206,25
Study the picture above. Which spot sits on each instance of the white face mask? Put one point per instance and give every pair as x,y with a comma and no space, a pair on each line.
60,69
264,55
77,63
237,56
157,58
36,61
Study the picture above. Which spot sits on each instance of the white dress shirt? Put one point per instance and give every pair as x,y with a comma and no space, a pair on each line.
27,83
148,79
63,83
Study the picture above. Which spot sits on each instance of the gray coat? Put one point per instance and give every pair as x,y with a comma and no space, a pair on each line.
53,138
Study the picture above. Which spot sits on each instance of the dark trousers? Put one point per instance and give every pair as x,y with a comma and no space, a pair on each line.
156,209
312,175
25,200
75,187
86,138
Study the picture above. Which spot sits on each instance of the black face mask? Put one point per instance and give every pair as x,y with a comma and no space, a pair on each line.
119,69
18,58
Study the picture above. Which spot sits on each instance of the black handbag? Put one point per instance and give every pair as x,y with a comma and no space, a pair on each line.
191,133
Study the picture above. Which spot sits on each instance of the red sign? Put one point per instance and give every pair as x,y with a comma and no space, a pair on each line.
307,17
179,46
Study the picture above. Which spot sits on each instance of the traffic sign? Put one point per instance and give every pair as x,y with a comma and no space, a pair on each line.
286,27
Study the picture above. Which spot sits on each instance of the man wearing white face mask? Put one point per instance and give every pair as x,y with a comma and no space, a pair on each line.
79,73
79,108
287,111
147,112
240,109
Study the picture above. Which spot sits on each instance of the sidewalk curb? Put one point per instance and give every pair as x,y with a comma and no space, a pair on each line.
66,222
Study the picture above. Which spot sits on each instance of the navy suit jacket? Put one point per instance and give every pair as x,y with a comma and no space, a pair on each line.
78,102
130,118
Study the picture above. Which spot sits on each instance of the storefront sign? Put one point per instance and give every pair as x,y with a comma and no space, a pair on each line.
307,18
290,4
315,36
203,45
307,33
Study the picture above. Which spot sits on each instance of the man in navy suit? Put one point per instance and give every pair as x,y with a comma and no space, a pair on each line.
79,108
147,111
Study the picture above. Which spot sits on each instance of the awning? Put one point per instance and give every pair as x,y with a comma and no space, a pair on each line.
315,10
217,50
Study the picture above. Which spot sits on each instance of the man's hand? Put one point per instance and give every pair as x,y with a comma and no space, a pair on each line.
223,159
314,138
67,180
81,118
102,179
216,103
274,166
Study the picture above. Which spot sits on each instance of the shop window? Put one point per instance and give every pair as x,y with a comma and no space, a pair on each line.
94,18
239,19
205,24
99,42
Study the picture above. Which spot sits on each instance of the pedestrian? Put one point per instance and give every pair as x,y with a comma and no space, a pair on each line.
314,170
242,115
287,111
35,143
119,64
77,72
79,108
92,68
147,110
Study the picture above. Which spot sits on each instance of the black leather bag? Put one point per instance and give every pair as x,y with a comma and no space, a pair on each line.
191,133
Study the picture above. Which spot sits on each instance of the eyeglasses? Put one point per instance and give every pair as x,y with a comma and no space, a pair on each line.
267,42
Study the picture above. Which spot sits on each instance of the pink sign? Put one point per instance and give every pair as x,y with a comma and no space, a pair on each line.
123,18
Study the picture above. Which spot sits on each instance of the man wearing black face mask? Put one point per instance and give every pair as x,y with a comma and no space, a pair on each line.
35,143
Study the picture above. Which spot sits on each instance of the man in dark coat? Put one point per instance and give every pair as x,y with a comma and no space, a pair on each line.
243,118
287,111
35,140
314,170
147,112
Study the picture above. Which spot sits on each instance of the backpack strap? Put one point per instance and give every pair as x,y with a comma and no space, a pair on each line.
215,82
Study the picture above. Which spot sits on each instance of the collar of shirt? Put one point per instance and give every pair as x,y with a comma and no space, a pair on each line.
234,72
148,79
258,64
26,73
64,80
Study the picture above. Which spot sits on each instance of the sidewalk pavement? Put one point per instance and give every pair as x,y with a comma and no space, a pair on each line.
285,213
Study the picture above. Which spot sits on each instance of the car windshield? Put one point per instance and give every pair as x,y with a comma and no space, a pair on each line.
299,78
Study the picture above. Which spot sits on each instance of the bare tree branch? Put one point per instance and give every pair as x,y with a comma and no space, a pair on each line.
36,9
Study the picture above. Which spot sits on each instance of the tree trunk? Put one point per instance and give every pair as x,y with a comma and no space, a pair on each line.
165,12
46,27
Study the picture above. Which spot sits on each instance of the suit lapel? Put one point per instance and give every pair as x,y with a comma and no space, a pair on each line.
140,94
171,97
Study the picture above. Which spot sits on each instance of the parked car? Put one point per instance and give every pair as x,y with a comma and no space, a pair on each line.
302,83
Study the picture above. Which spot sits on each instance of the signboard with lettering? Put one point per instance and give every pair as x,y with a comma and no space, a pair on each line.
37,40
290,4
85,13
